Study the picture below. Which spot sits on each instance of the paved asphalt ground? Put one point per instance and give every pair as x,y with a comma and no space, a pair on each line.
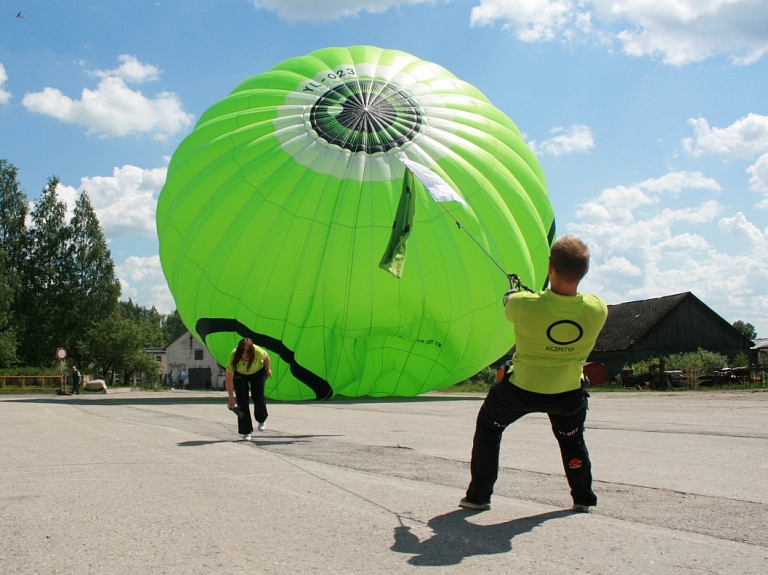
159,483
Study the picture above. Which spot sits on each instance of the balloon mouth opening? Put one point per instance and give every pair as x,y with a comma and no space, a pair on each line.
367,116
207,326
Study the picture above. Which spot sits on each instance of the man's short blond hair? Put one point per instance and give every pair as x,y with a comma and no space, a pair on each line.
570,258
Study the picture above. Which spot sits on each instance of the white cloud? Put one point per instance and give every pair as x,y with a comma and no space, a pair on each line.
642,248
758,182
677,31
741,228
618,204
615,205
113,109
684,242
326,10
676,182
142,280
127,200
620,266
124,202
4,96
131,70
700,214
746,138
685,31
531,20
577,138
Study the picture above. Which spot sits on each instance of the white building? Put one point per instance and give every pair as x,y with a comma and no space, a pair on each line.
159,354
759,353
187,354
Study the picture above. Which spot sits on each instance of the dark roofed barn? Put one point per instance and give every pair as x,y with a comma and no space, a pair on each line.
680,323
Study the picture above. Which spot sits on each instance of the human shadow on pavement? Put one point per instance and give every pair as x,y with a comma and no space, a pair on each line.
181,398
280,440
107,400
456,538
211,442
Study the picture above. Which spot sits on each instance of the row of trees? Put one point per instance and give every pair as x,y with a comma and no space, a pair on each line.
58,289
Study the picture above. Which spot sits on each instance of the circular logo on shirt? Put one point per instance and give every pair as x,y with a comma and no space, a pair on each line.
564,332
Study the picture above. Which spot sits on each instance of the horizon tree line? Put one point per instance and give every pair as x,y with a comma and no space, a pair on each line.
58,289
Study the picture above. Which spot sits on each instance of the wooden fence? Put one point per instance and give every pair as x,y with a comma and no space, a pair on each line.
45,382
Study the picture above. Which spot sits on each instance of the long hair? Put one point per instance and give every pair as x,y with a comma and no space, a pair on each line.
245,344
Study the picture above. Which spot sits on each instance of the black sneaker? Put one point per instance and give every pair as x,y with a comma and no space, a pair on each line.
237,411
578,508
467,504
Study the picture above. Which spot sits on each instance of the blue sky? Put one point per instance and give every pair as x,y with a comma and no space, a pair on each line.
649,117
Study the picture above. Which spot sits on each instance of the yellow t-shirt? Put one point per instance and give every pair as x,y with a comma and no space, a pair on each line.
554,335
242,365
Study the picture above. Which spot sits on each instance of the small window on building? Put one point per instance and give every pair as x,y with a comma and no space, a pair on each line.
198,354
158,358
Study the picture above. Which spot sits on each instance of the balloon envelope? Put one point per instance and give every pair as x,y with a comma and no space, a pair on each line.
279,205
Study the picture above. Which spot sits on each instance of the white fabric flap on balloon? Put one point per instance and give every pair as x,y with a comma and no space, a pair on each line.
437,187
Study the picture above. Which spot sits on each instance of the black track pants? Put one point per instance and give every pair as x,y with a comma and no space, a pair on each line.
506,404
240,384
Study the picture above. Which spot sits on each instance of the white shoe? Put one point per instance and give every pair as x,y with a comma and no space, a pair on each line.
247,437
262,426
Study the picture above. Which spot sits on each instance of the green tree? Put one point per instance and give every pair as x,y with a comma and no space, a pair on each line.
7,332
741,360
145,332
173,327
704,361
745,329
141,314
145,366
481,381
117,344
148,326
102,344
13,213
149,319
92,289
43,295
13,247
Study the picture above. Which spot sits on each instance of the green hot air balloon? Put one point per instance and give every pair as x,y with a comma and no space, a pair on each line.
291,198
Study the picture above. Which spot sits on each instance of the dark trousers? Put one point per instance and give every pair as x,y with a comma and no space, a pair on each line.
506,404
75,386
240,384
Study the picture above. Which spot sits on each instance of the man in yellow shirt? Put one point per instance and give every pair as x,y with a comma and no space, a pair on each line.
555,330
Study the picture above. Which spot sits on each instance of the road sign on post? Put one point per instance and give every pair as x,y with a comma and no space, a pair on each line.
61,355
